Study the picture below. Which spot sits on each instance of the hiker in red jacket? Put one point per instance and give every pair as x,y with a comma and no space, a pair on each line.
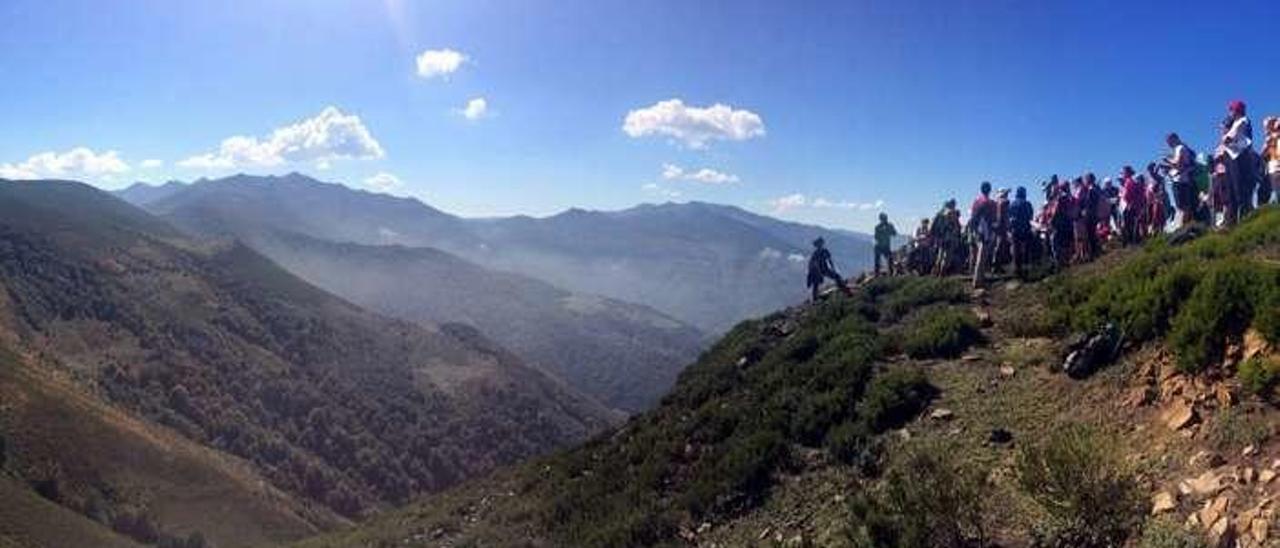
1133,196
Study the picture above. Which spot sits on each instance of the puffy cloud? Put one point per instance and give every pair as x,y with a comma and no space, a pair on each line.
151,163
799,201
440,63
672,172
476,109
655,188
329,135
695,127
383,182
79,162
790,201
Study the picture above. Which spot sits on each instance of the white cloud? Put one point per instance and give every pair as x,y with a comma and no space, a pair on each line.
770,254
672,172
695,127
383,182
151,163
476,109
655,188
328,136
800,201
790,201
796,258
79,162
440,63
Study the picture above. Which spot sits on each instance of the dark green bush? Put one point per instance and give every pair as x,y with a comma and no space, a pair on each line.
928,500
1077,477
941,333
895,397
1201,294
1259,375
896,296
1221,305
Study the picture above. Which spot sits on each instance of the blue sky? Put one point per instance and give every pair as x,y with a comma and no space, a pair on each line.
848,104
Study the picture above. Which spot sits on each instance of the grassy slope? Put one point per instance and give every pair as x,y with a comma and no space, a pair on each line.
28,521
805,501
185,487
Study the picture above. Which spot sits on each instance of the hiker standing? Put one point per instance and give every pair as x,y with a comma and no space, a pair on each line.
1181,166
946,238
922,254
1237,145
1081,228
1133,195
885,232
821,267
982,217
1061,224
1111,193
1001,254
1020,214
1271,157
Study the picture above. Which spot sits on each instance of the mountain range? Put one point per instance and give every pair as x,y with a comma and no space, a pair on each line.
560,292
706,265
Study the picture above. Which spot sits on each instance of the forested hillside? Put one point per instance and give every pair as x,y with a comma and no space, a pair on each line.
329,403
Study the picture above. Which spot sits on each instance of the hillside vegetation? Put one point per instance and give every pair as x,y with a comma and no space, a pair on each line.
335,406
918,414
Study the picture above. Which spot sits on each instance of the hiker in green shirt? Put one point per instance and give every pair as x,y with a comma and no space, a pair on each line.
884,247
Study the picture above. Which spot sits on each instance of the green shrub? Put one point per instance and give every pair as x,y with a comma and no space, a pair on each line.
895,397
1078,479
928,500
1221,305
941,333
1200,294
896,296
1167,533
1235,428
1259,375
1267,317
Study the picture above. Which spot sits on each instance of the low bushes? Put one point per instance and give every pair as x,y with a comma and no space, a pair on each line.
1167,533
928,500
1259,376
1201,295
941,333
1222,305
1089,496
898,295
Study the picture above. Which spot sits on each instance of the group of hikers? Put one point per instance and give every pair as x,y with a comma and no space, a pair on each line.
1080,215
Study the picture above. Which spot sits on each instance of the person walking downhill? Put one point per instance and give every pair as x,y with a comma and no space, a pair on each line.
885,232
1271,158
821,267
982,217
1020,235
1181,166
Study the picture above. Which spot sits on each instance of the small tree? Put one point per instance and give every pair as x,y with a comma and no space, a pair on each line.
1089,495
